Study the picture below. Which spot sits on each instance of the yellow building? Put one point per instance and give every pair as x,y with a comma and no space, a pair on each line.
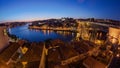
114,35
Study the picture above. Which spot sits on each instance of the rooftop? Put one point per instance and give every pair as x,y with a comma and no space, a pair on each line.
92,63
8,52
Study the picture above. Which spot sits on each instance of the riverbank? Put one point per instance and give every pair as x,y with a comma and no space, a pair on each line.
53,28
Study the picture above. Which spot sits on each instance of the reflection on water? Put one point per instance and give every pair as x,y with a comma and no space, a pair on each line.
40,35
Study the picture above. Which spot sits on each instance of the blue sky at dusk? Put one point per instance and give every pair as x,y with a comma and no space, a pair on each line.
20,10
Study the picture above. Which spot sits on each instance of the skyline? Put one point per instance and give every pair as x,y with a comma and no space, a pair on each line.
28,10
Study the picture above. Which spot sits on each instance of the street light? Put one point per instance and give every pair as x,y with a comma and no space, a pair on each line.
118,55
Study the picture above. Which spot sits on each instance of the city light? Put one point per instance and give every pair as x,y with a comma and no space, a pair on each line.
59,34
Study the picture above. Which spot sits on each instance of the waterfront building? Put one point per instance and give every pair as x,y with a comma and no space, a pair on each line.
4,39
92,31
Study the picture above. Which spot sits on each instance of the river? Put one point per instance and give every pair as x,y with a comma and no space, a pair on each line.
33,35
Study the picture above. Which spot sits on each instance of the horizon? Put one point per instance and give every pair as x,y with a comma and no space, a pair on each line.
30,10
31,20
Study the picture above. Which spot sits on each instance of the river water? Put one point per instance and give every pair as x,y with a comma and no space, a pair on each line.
33,35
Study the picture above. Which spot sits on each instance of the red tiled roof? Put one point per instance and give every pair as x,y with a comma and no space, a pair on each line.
92,63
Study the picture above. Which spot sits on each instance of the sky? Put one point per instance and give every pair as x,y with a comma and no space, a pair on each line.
27,10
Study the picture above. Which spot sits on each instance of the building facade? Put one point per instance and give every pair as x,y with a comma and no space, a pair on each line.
4,39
